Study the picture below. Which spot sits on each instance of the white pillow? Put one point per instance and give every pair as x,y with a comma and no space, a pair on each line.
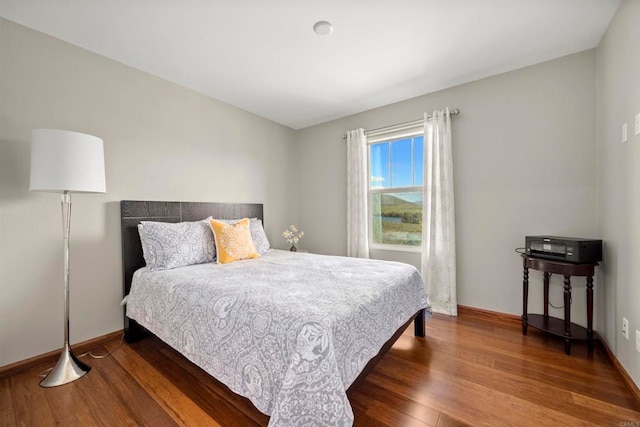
168,245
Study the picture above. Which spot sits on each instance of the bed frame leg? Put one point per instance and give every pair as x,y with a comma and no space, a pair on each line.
418,324
132,330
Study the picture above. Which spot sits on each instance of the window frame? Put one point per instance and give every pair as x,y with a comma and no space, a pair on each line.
382,138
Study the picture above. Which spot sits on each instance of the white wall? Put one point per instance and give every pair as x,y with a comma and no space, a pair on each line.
524,159
162,142
618,94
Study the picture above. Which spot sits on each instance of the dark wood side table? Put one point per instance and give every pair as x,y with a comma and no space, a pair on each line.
559,327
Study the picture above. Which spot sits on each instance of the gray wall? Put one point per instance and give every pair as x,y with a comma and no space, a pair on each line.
524,164
618,94
162,142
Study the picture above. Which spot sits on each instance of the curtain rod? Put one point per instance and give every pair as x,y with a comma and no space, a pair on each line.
400,126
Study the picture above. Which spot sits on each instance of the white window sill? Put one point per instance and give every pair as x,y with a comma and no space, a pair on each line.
396,248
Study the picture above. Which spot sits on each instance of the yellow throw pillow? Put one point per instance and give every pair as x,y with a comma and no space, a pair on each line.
233,241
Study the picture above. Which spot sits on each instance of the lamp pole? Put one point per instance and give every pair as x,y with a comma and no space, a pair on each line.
68,368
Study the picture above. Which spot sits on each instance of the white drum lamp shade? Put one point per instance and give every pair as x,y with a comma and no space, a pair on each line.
63,160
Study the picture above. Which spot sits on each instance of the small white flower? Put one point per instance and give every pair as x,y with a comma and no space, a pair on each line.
292,235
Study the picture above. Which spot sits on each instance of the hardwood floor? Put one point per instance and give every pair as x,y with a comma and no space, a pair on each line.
469,370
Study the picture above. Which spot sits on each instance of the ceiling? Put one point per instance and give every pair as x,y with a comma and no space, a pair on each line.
263,56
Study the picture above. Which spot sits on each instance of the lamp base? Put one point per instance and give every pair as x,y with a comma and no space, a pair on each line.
68,369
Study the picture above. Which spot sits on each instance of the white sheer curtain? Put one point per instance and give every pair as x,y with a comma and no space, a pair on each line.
357,216
438,217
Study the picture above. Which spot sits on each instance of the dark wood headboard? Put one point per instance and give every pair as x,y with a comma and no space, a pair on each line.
134,211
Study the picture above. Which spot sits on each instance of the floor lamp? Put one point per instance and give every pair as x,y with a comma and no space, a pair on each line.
66,162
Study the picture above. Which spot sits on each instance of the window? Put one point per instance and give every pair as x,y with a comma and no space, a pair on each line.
395,191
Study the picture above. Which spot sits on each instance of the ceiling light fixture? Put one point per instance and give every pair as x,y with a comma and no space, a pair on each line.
322,28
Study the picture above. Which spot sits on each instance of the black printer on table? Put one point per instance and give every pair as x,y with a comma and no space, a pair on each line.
569,249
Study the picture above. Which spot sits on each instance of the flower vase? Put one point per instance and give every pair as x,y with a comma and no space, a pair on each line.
293,248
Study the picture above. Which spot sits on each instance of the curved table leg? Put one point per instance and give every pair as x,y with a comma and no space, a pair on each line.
567,314
525,299
590,313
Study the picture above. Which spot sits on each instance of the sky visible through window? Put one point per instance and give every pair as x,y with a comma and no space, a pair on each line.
397,164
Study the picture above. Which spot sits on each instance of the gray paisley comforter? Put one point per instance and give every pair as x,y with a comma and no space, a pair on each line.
289,331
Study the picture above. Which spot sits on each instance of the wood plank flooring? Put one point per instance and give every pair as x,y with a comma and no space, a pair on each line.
469,370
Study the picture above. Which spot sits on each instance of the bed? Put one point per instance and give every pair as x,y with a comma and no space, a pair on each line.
292,332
